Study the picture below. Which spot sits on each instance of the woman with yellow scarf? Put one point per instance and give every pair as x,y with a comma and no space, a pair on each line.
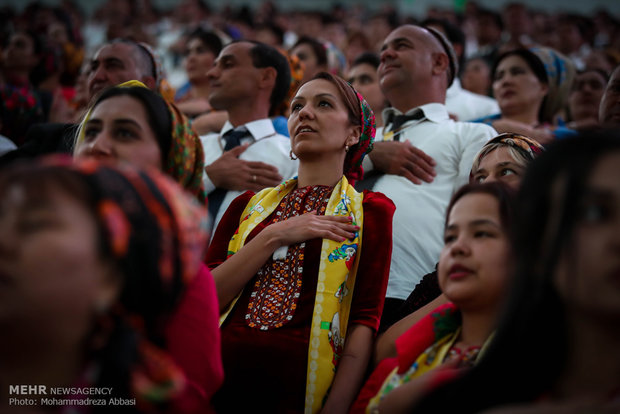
301,269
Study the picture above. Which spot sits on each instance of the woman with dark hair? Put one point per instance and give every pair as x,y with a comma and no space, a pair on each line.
132,124
301,304
473,272
531,87
103,266
556,348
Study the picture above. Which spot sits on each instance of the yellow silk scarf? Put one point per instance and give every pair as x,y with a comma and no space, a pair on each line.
336,279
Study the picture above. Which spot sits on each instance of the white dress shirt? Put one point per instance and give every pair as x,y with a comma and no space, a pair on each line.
467,105
266,145
420,209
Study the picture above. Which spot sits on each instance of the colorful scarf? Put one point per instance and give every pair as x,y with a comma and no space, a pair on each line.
353,161
560,75
185,159
157,235
423,348
530,148
336,281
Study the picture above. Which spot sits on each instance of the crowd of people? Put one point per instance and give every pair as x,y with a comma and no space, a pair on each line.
250,210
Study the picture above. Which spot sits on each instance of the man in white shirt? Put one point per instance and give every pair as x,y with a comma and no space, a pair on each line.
425,159
247,80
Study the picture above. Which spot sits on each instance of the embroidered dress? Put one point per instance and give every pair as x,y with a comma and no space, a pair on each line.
265,344
278,286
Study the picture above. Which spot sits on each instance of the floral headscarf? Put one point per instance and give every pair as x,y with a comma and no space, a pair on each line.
560,75
530,148
157,236
185,159
353,161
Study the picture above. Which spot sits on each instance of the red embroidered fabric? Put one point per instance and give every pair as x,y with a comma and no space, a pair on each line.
278,284
270,365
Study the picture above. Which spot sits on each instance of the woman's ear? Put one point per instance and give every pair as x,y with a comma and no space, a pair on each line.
354,136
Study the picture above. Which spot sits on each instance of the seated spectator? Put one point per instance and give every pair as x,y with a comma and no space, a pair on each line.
132,124
488,28
117,61
423,156
101,264
530,95
300,307
585,98
364,78
573,32
313,56
565,301
476,76
518,27
505,159
249,81
474,268
357,43
269,33
201,49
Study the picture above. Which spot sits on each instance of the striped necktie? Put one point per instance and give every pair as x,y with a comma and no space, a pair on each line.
233,139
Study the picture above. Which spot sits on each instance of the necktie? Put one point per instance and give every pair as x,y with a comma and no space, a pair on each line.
233,139
394,123
398,121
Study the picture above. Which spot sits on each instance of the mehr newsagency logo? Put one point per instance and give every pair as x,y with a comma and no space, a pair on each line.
41,395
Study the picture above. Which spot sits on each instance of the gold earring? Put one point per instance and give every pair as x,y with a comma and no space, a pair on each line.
293,157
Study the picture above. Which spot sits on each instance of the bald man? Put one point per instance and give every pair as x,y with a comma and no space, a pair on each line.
423,157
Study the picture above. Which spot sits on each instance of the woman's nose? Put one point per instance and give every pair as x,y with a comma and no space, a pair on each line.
459,246
100,146
306,112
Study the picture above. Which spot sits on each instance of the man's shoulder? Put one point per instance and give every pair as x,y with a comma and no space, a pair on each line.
473,128
468,105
